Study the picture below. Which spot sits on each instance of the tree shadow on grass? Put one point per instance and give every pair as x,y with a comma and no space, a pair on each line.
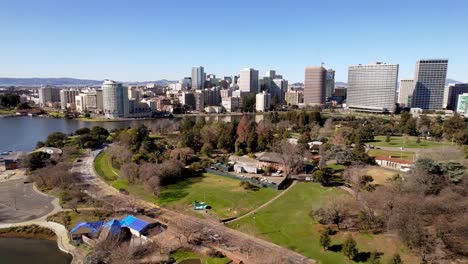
177,191
336,247
362,256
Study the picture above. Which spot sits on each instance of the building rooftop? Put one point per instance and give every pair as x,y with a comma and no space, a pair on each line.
87,227
396,160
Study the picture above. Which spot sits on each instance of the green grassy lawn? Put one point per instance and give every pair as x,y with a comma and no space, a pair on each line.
182,255
398,141
9,111
224,195
406,155
287,222
104,168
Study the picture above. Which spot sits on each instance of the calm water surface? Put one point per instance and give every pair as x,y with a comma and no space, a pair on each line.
22,133
27,251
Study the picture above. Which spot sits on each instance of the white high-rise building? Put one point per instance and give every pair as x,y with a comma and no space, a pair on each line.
248,80
115,99
372,87
198,78
262,102
67,98
406,92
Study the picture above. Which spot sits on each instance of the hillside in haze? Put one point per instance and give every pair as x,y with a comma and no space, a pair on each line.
64,82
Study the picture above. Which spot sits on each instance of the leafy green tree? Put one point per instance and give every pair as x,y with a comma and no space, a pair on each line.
82,131
303,141
37,160
453,125
206,149
396,259
350,248
9,100
387,138
56,139
248,103
325,239
99,131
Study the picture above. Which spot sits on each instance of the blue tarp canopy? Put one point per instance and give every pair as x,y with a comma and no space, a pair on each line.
134,223
87,227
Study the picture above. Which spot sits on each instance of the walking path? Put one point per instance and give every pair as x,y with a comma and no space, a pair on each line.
62,237
60,231
263,205
102,191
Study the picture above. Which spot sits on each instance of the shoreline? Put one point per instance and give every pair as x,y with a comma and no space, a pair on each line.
29,232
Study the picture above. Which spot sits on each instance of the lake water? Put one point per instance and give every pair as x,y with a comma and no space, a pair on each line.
22,133
27,251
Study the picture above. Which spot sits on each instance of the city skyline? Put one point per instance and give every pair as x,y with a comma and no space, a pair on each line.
161,43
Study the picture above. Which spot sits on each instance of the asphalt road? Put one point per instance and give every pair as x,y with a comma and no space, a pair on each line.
19,202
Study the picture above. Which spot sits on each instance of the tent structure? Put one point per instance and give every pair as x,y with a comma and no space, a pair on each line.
200,206
89,229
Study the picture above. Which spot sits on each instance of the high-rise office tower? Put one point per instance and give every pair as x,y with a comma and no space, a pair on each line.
330,83
315,85
372,87
454,91
406,92
271,74
248,80
277,90
115,99
48,95
198,78
429,83
67,98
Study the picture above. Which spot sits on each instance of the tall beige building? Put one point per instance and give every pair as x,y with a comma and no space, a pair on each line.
406,92
315,85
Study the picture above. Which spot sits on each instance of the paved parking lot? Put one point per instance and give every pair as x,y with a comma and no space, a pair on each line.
19,202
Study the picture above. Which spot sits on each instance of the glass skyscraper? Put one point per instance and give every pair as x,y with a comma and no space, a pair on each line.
198,78
429,84
115,99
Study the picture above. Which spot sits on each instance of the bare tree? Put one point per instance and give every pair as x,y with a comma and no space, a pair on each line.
291,156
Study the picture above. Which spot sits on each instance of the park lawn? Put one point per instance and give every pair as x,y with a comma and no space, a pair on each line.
104,168
182,255
225,196
406,155
398,141
381,175
287,222
8,111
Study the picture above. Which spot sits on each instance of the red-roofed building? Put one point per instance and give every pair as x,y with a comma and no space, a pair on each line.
394,163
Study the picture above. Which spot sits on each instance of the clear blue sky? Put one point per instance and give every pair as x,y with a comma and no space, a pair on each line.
154,39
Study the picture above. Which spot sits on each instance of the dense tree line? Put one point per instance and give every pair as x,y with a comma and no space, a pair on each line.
9,100
427,208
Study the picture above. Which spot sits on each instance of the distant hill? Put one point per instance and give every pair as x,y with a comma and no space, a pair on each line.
65,82
451,81
341,84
